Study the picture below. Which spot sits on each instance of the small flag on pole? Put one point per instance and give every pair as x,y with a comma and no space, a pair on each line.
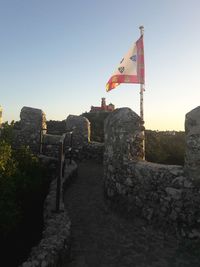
131,67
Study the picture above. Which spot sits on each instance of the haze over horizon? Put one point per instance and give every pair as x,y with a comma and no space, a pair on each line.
58,56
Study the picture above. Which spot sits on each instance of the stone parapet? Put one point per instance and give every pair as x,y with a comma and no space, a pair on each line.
28,130
123,137
81,129
51,145
167,195
192,153
53,249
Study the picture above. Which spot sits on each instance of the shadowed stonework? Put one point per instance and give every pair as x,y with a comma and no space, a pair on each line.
28,129
157,197
166,195
103,238
192,156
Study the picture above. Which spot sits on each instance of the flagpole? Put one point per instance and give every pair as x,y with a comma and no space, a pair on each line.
142,102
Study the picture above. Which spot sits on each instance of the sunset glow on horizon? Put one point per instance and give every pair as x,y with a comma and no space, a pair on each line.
58,56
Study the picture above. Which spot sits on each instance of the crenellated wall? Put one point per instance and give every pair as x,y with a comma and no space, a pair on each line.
165,194
83,148
32,129
51,145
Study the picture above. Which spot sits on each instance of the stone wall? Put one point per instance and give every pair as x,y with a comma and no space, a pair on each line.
82,147
167,195
28,130
96,120
94,151
53,249
163,194
51,145
81,129
56,127
192,155
124,139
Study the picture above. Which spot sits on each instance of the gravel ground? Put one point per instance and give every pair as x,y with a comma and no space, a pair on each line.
101,238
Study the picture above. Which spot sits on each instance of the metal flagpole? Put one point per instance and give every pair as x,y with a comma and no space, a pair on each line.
142,102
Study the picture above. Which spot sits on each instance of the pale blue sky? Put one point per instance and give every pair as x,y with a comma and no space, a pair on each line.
57,55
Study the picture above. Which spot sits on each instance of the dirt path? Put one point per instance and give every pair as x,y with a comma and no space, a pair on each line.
100,238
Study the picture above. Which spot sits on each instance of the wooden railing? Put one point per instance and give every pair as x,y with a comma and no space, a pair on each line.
61,160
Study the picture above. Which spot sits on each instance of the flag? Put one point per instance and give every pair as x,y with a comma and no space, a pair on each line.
131,67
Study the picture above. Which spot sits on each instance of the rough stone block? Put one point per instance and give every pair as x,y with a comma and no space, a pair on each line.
192,153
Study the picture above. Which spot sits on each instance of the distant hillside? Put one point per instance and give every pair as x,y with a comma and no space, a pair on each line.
165,147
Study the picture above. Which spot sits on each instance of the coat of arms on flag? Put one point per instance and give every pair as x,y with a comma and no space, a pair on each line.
131,67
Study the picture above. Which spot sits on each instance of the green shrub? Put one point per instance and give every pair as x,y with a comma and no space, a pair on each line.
6,132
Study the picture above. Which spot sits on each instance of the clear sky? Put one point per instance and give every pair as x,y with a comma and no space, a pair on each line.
57,55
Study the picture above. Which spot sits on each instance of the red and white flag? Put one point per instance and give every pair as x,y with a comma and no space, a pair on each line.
131,67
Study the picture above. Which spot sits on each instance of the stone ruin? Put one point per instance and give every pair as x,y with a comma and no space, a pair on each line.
27,132
31,130
167,195
123,140
80,126
192,155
